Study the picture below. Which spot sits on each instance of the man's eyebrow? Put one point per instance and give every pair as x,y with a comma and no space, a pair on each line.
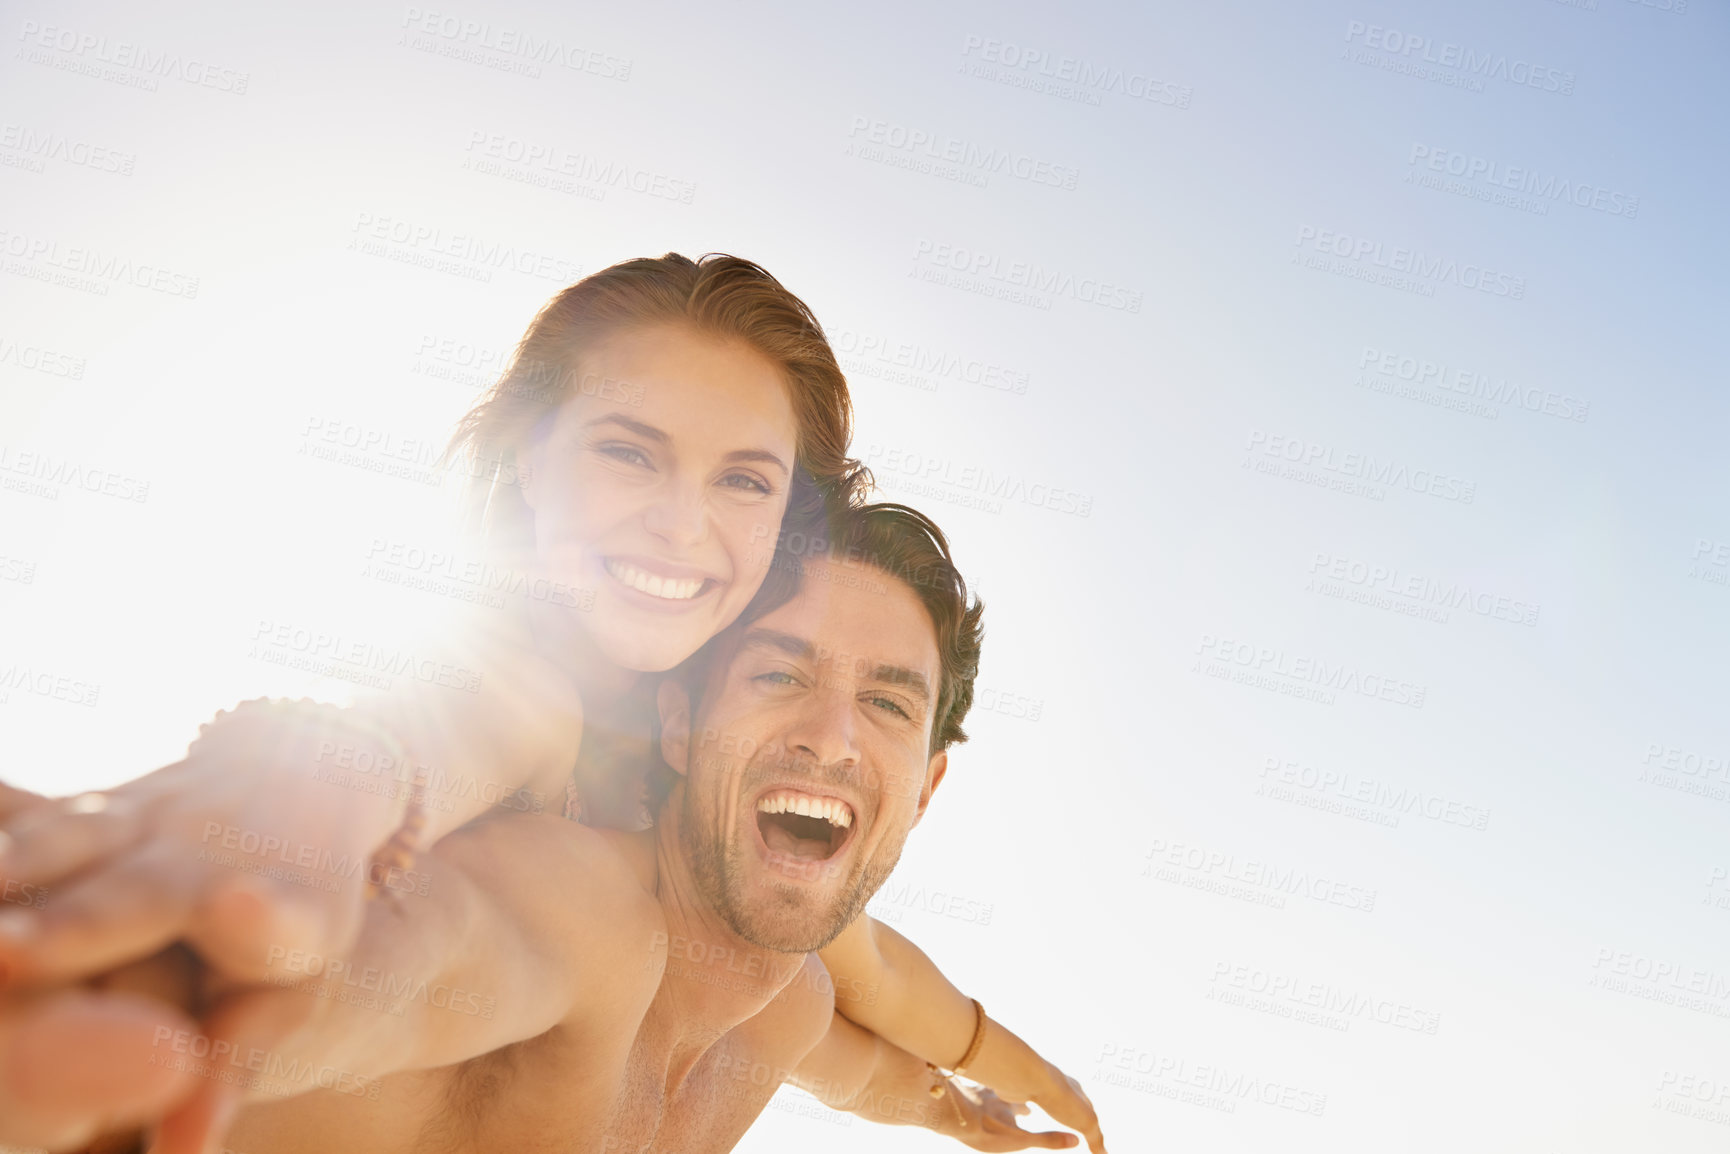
785,642
909,679
899,675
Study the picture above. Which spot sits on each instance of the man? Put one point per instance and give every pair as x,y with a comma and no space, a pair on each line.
656,995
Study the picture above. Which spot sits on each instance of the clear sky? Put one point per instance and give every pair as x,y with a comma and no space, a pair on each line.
1328,401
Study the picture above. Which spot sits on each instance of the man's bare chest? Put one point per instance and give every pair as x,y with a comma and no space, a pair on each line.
570,1099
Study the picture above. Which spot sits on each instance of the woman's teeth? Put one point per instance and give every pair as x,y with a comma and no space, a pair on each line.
830,810
670,588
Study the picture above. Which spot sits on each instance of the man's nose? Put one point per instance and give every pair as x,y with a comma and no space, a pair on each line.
827,727
678,515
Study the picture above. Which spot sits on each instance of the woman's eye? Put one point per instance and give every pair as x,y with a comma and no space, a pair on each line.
629,454
747,482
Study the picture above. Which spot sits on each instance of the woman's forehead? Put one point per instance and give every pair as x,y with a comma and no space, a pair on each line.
681,385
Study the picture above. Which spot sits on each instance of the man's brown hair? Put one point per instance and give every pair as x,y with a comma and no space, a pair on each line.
906,545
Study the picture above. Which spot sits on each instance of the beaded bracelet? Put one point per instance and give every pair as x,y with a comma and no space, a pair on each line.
275,723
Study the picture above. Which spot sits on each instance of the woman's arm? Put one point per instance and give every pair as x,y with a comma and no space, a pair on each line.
266,833
888,985
490,955
854,1070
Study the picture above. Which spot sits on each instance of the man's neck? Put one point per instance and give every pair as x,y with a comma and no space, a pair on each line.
714,978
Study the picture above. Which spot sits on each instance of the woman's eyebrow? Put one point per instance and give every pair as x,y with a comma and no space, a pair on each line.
661,437
762,455
626,423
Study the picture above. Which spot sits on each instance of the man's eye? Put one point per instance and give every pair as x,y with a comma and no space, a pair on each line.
747,483
889,704
776,677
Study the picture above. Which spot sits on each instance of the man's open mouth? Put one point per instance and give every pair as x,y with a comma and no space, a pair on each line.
803,826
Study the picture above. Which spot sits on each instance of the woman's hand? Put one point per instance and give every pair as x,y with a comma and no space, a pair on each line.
1068,1104
253,847
1018,1073
977,1117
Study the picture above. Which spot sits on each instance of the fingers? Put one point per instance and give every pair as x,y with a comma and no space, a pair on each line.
76,1063
56,839
130,909
1068,1104
244,1031
15,801
172,976
1012,1137
247,921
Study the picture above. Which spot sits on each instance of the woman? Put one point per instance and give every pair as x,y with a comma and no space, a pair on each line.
666,425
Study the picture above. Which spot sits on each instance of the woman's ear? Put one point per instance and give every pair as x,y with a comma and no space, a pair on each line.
675,706
532,458
529,472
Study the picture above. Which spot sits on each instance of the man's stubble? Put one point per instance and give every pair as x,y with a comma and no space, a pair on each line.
719,871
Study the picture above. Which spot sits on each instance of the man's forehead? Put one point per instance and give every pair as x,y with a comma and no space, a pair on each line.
856,612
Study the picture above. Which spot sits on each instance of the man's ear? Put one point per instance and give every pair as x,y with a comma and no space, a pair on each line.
675,706
934,772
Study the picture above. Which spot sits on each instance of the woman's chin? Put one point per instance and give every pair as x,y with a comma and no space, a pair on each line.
657,652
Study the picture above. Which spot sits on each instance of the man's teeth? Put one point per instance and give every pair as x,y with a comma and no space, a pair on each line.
830,810
670,588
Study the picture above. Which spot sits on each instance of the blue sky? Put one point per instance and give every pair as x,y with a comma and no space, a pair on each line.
1327,400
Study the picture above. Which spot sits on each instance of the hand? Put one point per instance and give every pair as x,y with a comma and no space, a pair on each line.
239,855
75,1063
1016,1071
979,1118
16,801
123,1052
1068,1104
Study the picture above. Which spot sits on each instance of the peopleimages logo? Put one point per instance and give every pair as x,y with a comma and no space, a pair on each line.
1413,50
1422,267
511,43
1519,179
888,142
554,161
1358,466
41,360
39,146
1068,77
466,254
89,50
993,275
88,268
1469,382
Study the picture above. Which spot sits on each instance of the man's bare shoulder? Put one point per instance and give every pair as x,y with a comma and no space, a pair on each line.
798,1017
585,897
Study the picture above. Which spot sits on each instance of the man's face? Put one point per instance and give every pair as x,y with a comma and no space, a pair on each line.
808,761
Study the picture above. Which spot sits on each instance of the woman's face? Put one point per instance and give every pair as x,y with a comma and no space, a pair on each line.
660,485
